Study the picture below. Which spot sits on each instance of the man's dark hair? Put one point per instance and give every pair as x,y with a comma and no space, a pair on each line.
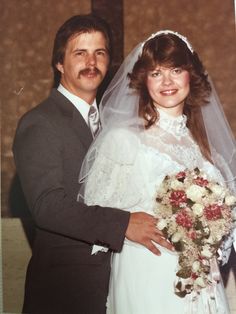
77,24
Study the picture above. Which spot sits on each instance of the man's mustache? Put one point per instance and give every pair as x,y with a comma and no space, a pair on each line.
87,71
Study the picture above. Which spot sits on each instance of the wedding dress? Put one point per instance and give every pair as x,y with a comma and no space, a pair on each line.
126,174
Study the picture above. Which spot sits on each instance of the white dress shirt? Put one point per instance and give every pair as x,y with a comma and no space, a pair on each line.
78,102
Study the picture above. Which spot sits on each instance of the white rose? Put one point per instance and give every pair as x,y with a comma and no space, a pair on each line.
195,192
161,224
198,209
210,240
218,190
206,252
200,282
176,237
230,200
196,266
176,184
161,191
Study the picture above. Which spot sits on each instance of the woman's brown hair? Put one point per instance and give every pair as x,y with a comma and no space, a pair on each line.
171,51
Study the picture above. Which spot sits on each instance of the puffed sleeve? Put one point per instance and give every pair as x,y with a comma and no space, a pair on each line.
114,179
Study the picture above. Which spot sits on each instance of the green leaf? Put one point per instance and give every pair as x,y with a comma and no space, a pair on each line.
198,225
184,272
190,202
181,294
179,246
175,209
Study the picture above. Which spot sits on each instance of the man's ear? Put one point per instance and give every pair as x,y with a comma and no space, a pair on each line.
60,67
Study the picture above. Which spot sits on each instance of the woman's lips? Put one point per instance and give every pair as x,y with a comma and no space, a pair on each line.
169,92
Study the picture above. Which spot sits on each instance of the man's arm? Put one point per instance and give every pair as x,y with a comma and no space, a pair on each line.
38,157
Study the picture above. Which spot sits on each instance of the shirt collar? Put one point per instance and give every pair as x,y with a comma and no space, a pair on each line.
81,105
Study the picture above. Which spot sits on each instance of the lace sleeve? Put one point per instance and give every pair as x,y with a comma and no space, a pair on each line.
112,181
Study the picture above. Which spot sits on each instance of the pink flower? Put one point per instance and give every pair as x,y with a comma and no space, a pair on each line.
201,181
177,197
183,219
181,175
213,212
192,234
194,276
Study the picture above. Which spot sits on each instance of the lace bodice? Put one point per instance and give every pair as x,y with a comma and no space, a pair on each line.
171,138
129,168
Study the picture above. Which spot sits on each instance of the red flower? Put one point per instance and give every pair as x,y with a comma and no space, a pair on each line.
200,181
192,235
177,197
194,276
213,212
183,219
181,175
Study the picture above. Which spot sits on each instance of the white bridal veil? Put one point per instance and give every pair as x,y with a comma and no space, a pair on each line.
119,108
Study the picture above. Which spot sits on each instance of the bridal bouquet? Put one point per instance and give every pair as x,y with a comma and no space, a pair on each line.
195,214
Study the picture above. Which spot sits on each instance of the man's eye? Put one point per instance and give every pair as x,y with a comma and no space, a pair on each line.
80,53
101,53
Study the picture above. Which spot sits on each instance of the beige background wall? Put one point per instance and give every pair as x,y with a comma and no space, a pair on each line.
29,27
28,31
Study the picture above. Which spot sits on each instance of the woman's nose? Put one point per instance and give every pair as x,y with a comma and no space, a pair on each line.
166,79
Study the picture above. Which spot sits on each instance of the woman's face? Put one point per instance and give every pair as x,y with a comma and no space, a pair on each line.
168,88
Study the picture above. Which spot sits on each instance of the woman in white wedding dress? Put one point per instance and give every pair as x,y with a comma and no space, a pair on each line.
154,124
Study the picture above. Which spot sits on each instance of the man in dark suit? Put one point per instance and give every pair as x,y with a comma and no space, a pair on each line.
49,147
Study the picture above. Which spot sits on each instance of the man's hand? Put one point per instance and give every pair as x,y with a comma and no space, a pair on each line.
142,229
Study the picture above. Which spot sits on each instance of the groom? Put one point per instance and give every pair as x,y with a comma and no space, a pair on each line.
49,147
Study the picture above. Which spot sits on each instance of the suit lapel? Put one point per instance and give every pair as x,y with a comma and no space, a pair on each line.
81,129
77,121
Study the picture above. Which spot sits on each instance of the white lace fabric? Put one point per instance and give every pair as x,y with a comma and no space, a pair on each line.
171,137
126,163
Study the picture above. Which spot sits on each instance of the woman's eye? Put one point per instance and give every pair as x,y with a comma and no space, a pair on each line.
177,70
155,74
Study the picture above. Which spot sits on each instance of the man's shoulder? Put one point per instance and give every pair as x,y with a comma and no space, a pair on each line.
49,108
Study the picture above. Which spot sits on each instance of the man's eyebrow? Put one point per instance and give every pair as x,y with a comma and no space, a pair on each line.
84,50
78,49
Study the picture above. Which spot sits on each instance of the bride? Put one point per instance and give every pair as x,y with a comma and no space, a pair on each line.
160,115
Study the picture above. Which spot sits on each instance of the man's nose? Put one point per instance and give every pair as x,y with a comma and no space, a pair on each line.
91,60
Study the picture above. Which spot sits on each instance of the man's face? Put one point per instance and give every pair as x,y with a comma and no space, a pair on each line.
85,64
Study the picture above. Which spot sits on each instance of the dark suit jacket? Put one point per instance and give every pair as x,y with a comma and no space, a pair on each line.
63,277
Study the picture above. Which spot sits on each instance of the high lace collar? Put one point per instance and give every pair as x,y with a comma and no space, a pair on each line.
174,125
